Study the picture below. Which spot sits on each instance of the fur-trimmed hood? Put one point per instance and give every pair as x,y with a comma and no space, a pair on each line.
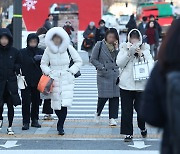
65,40
140,35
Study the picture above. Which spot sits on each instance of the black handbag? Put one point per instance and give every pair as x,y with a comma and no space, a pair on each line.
78,74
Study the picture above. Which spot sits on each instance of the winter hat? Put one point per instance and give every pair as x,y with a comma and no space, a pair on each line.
92,23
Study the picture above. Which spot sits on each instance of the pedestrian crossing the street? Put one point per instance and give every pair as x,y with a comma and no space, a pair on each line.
85,98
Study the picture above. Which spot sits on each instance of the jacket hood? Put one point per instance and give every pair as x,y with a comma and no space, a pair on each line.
141,40
6,32
61,33
32,36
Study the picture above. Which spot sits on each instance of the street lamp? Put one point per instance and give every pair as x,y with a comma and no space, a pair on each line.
17,24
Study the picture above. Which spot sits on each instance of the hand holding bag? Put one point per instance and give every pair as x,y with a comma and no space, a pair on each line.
78,74
21,81
45,84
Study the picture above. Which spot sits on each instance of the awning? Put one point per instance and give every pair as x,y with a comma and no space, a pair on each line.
167,21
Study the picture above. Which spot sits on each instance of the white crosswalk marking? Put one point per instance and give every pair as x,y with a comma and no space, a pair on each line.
77,152
85,97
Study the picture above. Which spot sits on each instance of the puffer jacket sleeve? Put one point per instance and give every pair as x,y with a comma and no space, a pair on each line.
45,63
123,57
146,52
77,60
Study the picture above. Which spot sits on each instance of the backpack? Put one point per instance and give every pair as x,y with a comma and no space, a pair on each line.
173,109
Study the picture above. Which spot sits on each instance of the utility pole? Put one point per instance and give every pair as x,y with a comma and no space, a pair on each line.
17,24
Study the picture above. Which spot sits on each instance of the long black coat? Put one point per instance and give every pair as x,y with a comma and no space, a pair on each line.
30,67
131,24
154,109
10,60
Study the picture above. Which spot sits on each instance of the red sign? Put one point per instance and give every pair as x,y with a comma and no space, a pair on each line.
35,12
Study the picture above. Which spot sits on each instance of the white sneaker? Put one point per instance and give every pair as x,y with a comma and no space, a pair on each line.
10,131
97,118
112,122
48,117
1,124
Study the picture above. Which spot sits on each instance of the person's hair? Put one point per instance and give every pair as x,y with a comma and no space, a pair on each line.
101,21
169,53
144,18
41,31
135,34
148,25
112,31
151,16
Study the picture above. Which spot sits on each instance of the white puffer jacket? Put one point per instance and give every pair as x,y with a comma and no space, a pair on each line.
126,62
55,63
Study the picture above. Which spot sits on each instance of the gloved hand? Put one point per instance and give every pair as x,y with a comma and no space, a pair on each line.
132,50
37,57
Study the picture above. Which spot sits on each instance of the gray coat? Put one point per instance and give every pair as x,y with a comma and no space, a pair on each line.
107,71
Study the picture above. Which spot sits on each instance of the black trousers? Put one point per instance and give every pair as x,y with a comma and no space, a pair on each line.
30,104
130,100
47,107
10,107
61,114
113,106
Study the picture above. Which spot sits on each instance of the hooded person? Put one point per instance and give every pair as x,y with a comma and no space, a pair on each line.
130,90
31,57
10,60
56,64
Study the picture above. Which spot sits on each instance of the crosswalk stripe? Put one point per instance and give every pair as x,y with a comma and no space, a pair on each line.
85,97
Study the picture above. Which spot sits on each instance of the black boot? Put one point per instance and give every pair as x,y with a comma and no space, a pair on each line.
61,132
128,138
144,133
35,124
25,127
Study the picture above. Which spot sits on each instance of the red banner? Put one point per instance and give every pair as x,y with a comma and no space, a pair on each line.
35,12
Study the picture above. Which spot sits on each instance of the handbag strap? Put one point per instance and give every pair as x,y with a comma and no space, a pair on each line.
100,48
70,57
124,67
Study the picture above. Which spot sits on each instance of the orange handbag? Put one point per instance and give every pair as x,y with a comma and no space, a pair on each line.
45,84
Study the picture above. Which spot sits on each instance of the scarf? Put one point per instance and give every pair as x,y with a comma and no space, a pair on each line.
110,46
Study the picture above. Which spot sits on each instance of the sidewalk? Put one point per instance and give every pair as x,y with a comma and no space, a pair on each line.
74,129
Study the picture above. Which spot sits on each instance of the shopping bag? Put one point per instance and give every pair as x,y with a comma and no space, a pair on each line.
45,84
142,70
21,81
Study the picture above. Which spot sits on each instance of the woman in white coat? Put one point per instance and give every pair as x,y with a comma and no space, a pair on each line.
55,63
47,110
131,90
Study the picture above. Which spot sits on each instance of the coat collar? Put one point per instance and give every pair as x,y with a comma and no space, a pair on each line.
106,50
65,40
